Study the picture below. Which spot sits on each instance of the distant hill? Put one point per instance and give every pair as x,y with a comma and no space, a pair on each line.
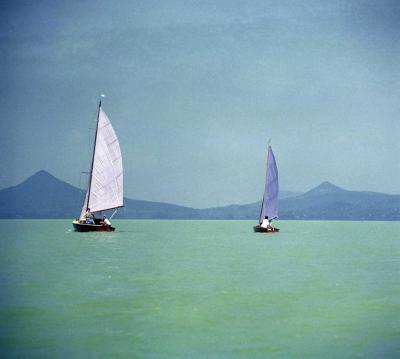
324,202
44,196
328,201
41,196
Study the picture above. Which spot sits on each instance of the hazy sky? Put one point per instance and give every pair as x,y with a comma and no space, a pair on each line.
196,88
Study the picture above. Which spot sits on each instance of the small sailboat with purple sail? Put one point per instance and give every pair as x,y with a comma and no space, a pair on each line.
269,205
105,188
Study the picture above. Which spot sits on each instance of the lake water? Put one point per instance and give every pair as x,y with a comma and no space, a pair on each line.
200,289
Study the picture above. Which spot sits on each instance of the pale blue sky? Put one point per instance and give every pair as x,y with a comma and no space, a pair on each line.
196,88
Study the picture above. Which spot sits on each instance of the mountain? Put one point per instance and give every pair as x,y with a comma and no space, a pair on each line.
328,201
324,188
154,210
324,202
44,196
41,196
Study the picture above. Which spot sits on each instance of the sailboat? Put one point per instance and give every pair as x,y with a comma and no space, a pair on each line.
269,205
105,188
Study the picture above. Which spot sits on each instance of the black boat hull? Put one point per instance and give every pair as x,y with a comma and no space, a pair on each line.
86,227
259,229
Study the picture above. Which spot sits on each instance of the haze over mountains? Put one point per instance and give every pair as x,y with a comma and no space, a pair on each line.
44,196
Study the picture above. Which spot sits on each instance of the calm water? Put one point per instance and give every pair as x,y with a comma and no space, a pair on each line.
200,289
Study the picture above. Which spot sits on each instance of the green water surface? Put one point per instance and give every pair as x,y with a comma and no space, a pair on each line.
200,289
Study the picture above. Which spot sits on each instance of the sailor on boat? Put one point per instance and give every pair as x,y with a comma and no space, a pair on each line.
266,223
106,222
89,217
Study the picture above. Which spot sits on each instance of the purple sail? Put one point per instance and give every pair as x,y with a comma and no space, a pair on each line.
269,205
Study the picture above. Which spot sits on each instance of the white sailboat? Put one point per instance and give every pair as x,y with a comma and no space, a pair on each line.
105,188
269,206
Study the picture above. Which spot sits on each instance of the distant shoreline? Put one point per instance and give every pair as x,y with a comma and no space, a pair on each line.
43,196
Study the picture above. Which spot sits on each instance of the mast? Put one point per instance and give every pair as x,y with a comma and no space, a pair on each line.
265,186
94,149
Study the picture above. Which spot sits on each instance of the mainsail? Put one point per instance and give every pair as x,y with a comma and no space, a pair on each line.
269,205
105,190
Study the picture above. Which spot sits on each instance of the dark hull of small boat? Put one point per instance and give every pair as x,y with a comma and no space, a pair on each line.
84,227
260,229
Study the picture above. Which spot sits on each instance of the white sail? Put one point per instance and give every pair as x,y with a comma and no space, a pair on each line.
84,207
106,183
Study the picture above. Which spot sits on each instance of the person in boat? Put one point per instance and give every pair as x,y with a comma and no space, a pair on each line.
89,217
266,223
106,222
